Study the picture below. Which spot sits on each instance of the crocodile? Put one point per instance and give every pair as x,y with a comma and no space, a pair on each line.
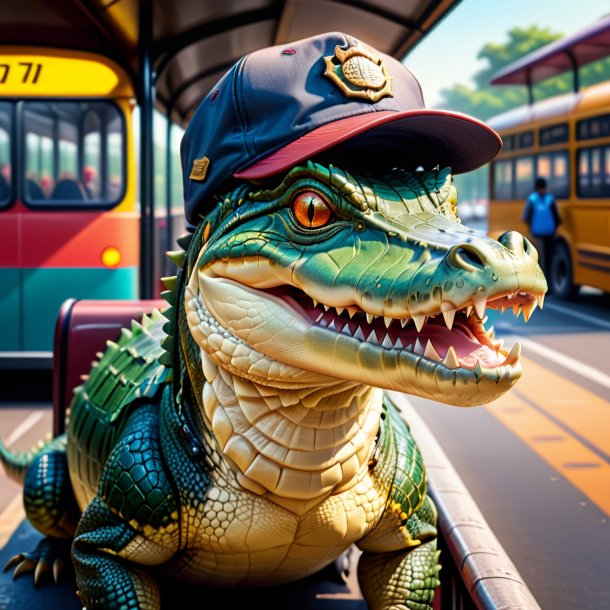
242,436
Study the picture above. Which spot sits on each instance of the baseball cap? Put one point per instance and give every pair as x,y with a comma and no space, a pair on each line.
329,96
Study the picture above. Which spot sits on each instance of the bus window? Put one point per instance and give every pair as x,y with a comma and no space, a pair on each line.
594,172
74,154
503,180
5,153
595,127
556,134
560,184
526,139
554,167
524,177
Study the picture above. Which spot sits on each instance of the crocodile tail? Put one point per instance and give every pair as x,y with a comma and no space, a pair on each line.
16,463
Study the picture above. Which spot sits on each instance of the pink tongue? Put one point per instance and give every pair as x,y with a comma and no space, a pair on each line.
485,355
467,349
442,338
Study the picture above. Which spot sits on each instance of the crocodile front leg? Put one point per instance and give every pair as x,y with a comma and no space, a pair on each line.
132,522
401,579
103,579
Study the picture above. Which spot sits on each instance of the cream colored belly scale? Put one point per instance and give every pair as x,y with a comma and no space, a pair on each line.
227,546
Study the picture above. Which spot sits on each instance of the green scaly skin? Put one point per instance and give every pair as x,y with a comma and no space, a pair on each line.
242,441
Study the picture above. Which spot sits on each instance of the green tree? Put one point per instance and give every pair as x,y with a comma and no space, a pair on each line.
485,101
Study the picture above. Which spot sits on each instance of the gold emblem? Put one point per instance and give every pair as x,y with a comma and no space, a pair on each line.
200,169
359,73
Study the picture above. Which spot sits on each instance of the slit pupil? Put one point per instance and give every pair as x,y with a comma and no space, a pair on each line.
311,211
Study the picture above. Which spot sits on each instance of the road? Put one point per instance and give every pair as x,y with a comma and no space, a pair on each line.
537,461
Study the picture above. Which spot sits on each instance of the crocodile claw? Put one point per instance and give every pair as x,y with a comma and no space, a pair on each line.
24,566
58,568
42,567
43,560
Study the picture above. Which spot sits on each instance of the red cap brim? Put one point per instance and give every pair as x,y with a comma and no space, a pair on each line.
448,139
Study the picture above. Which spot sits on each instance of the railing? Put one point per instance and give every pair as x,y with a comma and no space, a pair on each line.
481,575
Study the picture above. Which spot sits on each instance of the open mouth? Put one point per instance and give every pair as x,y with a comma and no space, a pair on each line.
457,338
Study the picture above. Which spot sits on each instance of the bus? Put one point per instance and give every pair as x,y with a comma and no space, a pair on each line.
69,215
565,139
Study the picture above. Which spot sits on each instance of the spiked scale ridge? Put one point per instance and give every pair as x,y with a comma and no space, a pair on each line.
455,337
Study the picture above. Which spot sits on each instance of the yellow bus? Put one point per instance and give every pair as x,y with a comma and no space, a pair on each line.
68,213
566,140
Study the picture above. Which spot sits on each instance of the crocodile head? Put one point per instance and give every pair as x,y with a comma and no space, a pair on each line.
371,279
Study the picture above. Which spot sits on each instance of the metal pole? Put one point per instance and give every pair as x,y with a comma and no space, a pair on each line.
146,99
575,66
169,242
530,88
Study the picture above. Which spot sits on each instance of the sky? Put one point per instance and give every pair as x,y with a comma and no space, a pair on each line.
448,55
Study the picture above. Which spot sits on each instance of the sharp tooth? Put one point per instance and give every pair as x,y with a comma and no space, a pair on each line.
451,360
399,344
358,334
468,311
404,321
528,309
387,321
498,345
320,316
325,307
541,301
516,310
490,333
502,308
410,347
352,311
431,352
514,355
419,322
346,330
340,310
449,315
315,303
478,371
332,326
479,302
387,342
322,322
418,348
369,317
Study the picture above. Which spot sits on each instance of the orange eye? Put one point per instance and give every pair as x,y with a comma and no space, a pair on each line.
311,210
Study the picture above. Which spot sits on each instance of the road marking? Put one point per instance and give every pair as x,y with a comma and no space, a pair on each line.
530,425
29,422
586,414
582,369
577,314
10,518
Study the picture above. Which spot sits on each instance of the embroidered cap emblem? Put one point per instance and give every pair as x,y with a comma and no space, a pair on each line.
359,74
199,169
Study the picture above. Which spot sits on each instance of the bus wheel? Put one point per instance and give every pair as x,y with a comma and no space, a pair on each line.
560,280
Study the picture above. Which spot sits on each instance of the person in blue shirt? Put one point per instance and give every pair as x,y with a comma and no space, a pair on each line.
542,217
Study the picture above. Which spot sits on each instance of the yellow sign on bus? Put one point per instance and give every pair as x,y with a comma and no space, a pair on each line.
60,74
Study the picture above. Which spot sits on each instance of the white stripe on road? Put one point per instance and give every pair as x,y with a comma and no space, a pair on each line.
10,518
582,369
577,314
29,422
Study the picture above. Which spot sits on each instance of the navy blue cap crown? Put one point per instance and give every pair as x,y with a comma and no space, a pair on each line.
268,99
